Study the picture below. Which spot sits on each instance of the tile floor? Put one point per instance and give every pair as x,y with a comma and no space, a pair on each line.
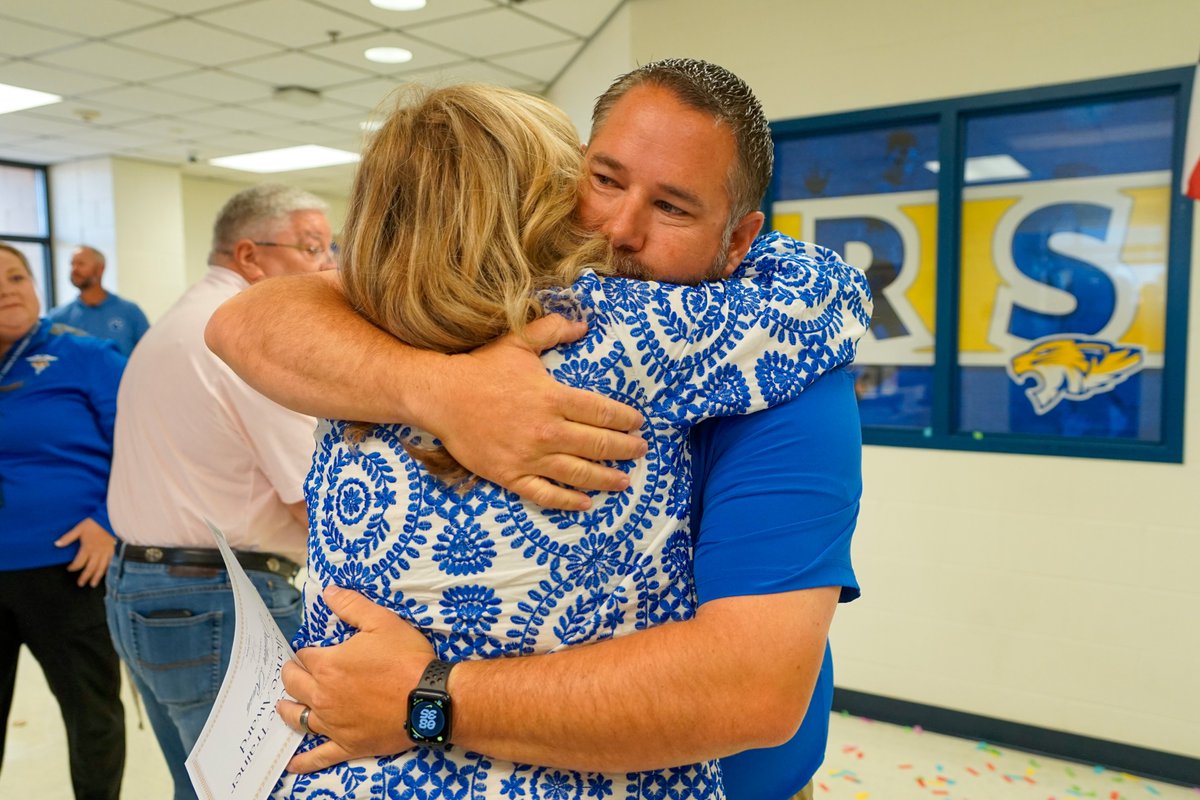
866,760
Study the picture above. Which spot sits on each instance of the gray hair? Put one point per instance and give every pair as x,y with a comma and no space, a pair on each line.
717,91
260,211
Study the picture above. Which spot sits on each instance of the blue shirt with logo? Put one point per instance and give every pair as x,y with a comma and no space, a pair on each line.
58,404
775,505
115,319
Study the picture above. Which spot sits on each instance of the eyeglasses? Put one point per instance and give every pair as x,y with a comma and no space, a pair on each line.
314,252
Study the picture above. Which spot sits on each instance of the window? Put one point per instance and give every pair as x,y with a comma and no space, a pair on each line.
1031,296
25,221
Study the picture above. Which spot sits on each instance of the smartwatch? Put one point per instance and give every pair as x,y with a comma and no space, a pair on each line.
429,712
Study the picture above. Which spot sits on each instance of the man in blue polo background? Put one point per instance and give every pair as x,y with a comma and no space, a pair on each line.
96,310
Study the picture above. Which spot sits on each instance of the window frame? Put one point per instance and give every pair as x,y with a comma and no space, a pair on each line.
951,116
46,242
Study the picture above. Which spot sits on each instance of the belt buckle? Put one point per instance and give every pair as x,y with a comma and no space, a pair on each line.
153,555
274,566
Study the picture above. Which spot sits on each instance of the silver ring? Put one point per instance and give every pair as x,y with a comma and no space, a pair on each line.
304,720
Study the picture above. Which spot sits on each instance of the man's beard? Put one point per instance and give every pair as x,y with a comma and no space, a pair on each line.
628,266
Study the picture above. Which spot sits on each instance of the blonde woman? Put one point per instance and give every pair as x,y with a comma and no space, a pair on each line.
461,227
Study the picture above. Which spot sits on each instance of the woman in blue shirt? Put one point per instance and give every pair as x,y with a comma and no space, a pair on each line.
58,400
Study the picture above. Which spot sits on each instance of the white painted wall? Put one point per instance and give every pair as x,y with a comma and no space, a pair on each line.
608,55
1049,591
149,233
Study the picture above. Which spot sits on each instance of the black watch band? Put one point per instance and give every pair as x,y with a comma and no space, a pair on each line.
429,707
435,676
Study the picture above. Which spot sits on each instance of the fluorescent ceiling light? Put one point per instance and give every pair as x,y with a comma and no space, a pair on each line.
388,55
305,156
988,168
399,5
370,125
14,98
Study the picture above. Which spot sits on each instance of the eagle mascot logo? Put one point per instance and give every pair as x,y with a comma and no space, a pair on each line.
1072,368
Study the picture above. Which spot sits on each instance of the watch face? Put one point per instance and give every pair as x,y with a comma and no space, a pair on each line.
427,720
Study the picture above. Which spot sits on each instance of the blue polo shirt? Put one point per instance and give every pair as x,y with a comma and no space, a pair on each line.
776,504
58,405
115,319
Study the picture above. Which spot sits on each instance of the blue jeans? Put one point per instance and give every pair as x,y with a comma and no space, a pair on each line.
173,626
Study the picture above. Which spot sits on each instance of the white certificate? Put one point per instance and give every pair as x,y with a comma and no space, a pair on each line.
245,745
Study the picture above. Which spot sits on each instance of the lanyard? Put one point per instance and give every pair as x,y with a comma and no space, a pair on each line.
16,352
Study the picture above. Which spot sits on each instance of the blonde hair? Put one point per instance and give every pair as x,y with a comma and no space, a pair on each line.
463,206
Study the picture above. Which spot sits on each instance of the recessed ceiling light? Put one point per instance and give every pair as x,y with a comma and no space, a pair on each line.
388,55
305,156
988,168
399,5
14,98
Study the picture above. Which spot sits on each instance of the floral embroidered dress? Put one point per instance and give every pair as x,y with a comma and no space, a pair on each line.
486,575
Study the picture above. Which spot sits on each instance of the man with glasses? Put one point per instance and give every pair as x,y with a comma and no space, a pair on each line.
193,441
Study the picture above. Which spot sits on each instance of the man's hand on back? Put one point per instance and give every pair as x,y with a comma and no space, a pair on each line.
504,418
296,340
357,690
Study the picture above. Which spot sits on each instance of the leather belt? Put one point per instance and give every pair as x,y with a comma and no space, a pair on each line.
201,557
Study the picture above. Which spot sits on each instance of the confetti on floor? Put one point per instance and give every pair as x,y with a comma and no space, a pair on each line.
866,758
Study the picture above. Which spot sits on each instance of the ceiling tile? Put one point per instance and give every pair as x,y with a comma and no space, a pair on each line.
29,124
216,86
231,143
365,94
543,63
82,148
116,138
11,138
108,60
346,126
151,101
39,151
234,118
187,6
500,30
581,18
400,20
168,154
465,71
200,44
297,69
45,78
25,40
312,133
173,129
83,109
326,109
351,52
266,19
100,18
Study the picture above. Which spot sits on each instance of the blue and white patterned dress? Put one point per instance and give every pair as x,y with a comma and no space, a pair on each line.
485,574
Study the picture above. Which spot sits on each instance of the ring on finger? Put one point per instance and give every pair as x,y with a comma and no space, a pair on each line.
304,720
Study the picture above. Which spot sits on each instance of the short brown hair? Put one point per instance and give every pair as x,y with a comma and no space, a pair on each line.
717,91
8,248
